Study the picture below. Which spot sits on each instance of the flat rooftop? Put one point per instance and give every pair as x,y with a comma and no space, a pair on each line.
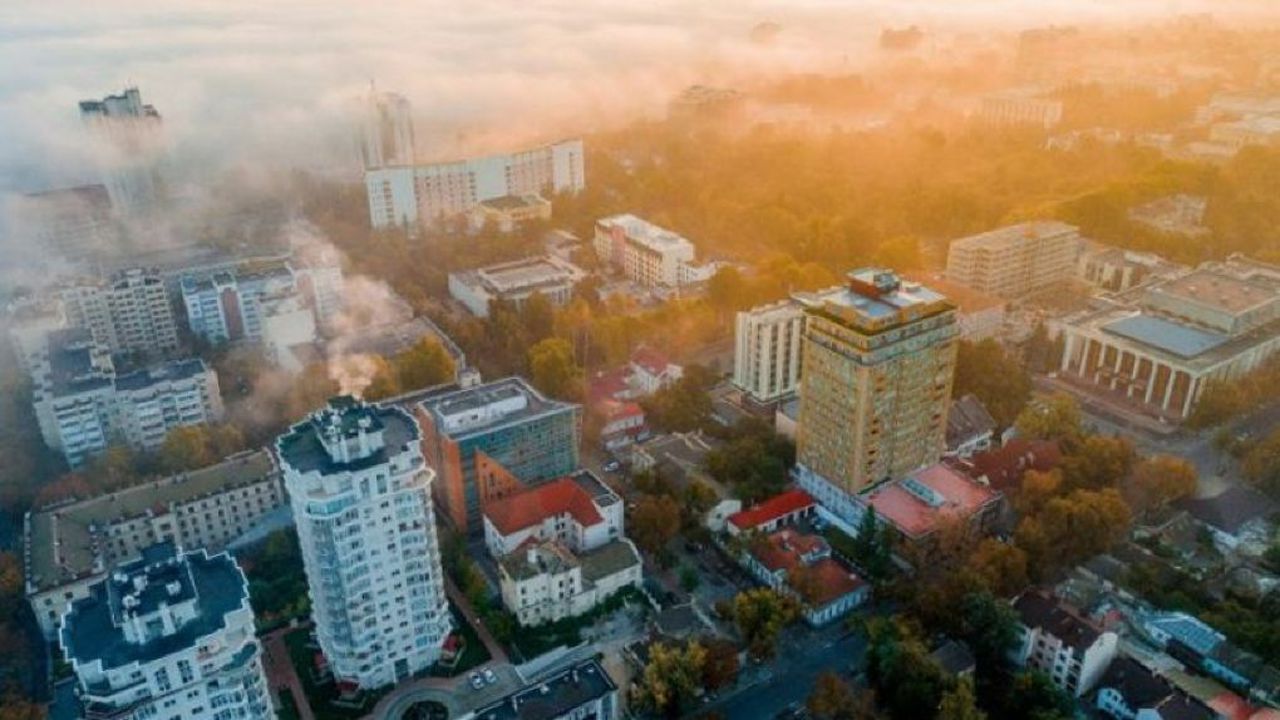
1181,340
553,697
91,630
303,450
71,363
918,503
514,202
875,296
155,374
486,407
1011,236
527,273
1217,290
645,232
64,542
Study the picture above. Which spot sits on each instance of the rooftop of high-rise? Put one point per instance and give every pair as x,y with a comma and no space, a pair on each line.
346,435
487,407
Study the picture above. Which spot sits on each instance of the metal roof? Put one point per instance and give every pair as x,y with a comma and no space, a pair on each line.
1181,340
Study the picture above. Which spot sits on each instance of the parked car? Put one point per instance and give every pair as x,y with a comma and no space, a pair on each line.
476,681
490,677
612,466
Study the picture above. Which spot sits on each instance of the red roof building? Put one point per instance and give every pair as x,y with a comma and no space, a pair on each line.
918,504
801,565
1002,468
781,509
580,511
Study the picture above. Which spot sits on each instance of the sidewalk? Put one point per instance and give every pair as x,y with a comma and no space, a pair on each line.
281,676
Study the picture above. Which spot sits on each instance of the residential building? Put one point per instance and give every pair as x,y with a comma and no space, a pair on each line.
646,254
168,636
1152,350
878,363
411,195
130,313
621,423
1002,468
129,137
917,505
361,498
980,316
1023,107
70,547
507,213
766,350
1178,214
227,305
515,282
970,428
82,405
1016,260
29,324
802,566
583,690
72,224
387,138
544,581
1129,691
579,511
1057,641
1205,650
1239,518
786,508
651,371
1115,270
484,441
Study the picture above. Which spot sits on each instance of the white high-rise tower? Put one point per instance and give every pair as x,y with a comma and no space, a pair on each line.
361,496
388,131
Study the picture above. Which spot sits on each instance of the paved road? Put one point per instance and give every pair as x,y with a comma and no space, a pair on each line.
790,679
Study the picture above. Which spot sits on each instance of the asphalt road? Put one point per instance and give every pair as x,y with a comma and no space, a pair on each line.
790,678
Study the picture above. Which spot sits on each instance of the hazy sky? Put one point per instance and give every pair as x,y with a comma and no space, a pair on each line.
275,81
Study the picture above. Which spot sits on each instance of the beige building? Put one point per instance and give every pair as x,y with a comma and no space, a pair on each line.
130,313
876,387
1155,347
1013,261
646,254
1023,107
72,546
509,212
545,581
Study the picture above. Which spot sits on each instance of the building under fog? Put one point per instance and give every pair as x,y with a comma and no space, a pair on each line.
128,147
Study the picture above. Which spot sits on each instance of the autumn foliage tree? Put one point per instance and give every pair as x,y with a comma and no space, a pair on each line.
1160,480
760,615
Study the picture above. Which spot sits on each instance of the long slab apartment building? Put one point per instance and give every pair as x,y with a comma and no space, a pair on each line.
1013,261
72,546
1154,347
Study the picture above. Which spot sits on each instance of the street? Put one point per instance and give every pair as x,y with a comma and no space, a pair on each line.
791,676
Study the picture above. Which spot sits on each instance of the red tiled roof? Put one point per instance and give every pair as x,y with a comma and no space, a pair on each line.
771,509
530,507
834,581
608,384
1005,466
616,410
654,362
960,497
786,549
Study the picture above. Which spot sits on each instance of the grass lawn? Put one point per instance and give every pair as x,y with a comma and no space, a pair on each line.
322,697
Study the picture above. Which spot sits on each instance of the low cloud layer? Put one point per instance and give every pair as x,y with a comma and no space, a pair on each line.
241,81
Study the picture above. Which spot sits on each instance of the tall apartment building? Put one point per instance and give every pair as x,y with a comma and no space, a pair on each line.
646,254
488,440
128,148
70,547
168,636
878,363
766,349
387,139
361,497
82,405
409,195
129,313
1012,261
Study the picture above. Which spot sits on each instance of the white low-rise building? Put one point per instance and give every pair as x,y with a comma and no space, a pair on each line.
515,282
579,511
647,255
545,581
169,636
1059,642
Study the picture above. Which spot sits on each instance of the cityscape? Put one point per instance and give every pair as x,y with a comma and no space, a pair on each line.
861,360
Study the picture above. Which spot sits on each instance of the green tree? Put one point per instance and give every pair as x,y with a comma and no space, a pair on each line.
760,615
997,379
1033,696
960,703
1055,418
553,370
908,682
1001,566
990,628
671,678
1097,462
654,522
425,364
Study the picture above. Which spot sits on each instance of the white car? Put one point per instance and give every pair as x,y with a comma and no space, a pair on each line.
477,682
490,677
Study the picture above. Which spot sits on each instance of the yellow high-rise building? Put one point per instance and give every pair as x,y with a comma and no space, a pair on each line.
878,363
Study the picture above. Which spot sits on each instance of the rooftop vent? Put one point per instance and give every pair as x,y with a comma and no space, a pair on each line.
173,588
